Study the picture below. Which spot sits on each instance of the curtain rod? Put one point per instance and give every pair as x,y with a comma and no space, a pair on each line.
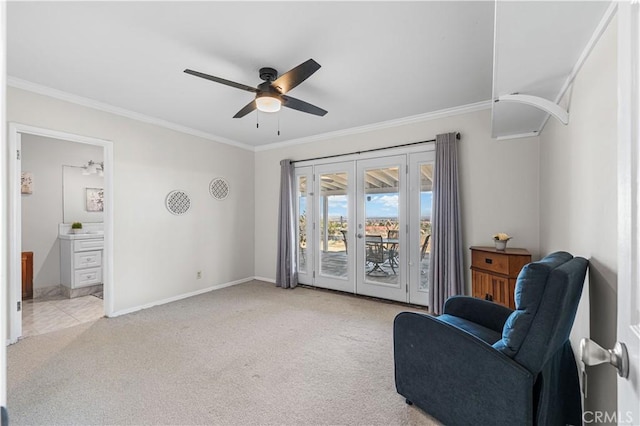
369,150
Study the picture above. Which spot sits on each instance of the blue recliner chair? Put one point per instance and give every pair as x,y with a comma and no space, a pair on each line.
482,363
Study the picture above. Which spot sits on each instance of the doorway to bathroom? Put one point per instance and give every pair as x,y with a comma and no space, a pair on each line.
60,221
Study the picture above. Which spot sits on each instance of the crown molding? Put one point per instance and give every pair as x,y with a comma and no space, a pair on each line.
518,136
90,103
448,112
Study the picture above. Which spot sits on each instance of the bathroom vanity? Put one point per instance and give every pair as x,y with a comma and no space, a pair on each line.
81,262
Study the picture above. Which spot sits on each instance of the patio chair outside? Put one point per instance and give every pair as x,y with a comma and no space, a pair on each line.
344,238
376,253
393,234
423,250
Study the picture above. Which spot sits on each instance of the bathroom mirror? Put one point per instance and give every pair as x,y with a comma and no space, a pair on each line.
82,196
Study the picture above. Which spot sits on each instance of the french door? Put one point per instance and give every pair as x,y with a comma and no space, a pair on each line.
334,214
304,215
364,226
420,207
381,228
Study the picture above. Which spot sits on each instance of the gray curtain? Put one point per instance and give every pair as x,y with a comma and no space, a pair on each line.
446,268
286,272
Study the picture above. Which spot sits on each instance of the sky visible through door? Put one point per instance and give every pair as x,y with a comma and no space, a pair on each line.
378,205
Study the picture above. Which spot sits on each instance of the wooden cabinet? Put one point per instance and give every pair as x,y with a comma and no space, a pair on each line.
27,275
494,273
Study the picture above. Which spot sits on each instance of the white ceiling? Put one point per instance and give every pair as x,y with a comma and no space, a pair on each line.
381,61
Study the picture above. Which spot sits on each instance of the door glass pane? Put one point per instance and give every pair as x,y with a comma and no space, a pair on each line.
426,180
302,224
333,224
381,194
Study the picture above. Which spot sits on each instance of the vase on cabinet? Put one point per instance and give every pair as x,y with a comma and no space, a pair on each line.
501,244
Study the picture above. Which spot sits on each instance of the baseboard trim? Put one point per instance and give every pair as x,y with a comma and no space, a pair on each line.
180,297
269,280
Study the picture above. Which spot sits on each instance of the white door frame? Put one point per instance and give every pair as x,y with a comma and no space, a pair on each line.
14,218
3,203
628,327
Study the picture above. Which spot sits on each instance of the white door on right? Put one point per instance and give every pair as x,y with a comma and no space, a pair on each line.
628,210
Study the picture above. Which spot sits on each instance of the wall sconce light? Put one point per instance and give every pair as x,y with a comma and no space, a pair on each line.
92,168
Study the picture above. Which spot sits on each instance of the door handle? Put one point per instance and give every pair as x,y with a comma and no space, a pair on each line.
359,235
592,353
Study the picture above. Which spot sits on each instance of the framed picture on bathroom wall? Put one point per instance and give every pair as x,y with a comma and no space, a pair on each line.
26,183
95,199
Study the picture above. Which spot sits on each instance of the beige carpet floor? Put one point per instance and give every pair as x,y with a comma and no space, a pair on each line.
247,354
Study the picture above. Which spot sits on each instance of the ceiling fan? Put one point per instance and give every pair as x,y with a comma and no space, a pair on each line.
270,95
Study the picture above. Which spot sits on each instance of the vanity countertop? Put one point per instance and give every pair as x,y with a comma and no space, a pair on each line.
85,236
91,230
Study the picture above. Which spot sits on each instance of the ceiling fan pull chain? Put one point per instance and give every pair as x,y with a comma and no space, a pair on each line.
278,124
257,120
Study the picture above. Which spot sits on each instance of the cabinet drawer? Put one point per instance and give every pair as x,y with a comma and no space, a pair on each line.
494,262
86,245
85,277
87,259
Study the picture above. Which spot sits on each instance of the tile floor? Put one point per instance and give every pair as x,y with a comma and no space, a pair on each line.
45,315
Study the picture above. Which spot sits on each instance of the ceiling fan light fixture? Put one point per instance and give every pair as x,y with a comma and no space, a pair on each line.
270,96
266,102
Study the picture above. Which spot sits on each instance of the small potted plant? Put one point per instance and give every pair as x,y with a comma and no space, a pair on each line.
76,228
500,240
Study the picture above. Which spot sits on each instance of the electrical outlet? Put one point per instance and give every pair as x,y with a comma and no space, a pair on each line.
199,274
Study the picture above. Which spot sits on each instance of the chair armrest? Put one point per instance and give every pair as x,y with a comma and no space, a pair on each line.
457,378
483,312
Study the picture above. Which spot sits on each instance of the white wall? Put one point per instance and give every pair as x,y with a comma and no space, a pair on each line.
42,210
498,180
578,204
74,195
157,254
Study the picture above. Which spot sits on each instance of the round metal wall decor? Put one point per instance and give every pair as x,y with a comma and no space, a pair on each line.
219,188
178,202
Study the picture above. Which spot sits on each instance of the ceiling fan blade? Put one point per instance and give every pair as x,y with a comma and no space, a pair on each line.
292,78
303,106
246,110
222,81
